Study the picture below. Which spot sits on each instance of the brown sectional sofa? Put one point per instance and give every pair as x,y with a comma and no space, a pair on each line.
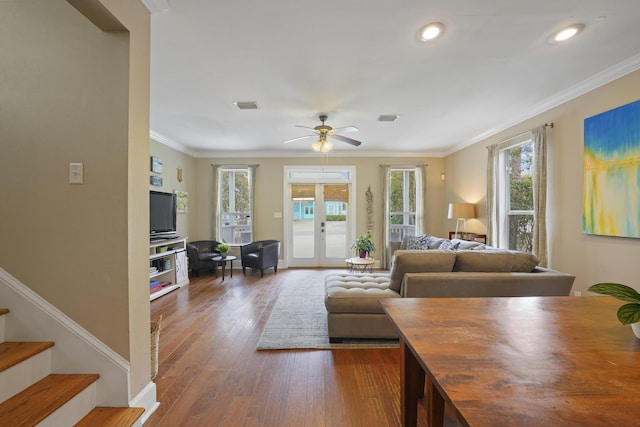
353,310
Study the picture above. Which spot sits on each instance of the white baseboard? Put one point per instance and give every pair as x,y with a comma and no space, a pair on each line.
146,399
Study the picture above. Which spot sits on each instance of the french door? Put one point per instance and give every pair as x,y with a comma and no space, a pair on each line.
318,221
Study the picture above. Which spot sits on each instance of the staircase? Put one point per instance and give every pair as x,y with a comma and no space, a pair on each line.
31,395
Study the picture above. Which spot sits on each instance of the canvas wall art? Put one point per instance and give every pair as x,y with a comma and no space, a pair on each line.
611,184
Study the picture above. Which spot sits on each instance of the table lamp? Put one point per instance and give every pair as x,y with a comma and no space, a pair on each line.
461,212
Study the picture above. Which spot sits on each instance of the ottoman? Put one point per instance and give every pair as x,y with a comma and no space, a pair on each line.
353,310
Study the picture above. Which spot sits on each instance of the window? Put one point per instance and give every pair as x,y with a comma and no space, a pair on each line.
235,205
402,203
517,202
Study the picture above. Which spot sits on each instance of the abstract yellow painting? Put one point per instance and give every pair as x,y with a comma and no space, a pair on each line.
611,183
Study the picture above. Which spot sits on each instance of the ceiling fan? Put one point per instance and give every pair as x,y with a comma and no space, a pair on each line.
322,131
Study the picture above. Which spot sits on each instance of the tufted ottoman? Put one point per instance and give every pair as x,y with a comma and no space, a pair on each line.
353,310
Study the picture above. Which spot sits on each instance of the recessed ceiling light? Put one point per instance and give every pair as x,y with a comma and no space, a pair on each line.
252,105
430,32
566,33
388,118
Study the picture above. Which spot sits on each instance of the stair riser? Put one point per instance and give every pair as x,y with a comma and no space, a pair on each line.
25,373
72,411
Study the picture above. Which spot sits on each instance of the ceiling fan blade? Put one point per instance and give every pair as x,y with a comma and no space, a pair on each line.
297,139
303,126
346,129
347,140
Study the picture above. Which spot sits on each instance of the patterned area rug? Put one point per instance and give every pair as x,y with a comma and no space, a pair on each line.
299,321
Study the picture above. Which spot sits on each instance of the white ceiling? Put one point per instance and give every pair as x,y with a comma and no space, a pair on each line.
358,59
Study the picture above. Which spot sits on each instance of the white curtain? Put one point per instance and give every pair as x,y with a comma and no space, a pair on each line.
540,193
386,219
492,195
216,232
421,187
252,198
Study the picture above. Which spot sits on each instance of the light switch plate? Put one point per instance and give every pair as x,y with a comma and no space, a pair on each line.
277,214
76,173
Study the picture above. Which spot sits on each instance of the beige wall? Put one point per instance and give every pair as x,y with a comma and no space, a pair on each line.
269,192
592,259
73,93
172,161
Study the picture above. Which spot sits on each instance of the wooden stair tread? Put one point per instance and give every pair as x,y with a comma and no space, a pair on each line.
12,353
4,311
35,403
111,417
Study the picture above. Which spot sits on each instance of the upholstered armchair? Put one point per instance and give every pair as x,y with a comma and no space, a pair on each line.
260,255
201,253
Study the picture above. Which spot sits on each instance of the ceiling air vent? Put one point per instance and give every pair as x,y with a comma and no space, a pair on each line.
246,105
388,118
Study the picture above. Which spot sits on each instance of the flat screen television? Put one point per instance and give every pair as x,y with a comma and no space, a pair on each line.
162,214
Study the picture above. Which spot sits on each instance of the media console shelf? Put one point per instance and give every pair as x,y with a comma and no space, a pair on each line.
168,268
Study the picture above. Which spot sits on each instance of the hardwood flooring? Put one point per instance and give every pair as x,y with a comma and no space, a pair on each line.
211,375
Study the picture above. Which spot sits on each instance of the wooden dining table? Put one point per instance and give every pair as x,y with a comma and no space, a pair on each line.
523,361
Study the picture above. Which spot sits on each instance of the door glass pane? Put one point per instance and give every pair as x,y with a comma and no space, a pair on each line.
303,205
336,198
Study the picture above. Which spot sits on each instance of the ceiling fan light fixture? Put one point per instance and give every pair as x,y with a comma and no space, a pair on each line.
431,31
566,33
326,147
317,146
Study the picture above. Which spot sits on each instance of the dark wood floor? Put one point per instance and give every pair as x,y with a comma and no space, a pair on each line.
210,373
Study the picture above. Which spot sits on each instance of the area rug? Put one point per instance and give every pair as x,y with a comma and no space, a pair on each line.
299,321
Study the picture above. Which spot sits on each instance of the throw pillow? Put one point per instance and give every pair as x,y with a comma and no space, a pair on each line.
449,245
524,262
420,242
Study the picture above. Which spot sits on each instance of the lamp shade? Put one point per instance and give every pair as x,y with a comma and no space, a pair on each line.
461,211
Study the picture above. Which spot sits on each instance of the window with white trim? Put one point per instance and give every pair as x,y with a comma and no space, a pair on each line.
516,198
402,203
234,200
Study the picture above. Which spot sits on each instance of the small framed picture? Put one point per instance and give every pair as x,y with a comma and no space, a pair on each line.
156,165
157,181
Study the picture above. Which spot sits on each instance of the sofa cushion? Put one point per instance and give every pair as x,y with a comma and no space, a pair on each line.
487,261
407,261
357,293
524,262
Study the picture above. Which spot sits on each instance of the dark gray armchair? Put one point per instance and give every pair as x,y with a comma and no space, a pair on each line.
201,253
260,255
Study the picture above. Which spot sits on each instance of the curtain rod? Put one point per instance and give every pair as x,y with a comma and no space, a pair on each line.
231,166
549,125
400,165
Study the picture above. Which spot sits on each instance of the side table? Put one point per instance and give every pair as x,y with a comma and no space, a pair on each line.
360,265
223,262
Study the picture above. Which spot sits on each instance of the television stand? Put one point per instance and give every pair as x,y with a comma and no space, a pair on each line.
167,265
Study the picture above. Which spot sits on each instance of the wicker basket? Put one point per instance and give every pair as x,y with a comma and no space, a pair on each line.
155,341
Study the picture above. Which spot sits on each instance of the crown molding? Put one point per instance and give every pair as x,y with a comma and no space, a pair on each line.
607,76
